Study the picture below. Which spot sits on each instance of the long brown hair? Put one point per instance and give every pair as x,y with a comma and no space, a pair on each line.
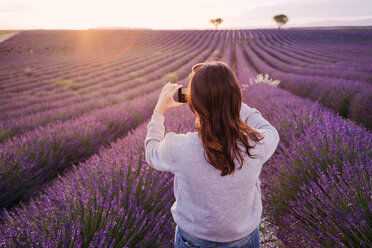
215,98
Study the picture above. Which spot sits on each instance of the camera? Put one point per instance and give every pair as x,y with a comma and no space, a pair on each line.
181,94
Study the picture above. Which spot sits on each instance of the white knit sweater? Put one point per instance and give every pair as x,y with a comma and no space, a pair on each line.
210,206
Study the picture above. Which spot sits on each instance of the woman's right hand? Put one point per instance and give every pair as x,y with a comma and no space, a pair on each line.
166,100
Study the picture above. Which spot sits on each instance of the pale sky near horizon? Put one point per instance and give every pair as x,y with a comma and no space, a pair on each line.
175,14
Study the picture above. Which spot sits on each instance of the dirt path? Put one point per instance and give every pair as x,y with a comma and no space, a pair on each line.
4,35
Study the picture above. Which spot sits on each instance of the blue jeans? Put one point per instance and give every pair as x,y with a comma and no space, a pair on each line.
184,240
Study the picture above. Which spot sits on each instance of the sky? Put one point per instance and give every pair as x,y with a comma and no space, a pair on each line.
179,14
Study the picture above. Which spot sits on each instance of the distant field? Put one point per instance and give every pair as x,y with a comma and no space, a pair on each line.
6,34
7,31
73,112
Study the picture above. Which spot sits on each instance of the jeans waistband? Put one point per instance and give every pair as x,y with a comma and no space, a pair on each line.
207,243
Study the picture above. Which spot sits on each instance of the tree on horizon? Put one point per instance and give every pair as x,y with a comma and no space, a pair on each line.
281,20
216,22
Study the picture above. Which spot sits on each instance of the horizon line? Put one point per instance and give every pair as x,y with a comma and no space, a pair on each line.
230,28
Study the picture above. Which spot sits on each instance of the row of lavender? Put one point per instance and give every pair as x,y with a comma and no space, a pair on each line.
317,185
333,58
44,44
112,200
115,200
91,85
38,63
71,107
94,70
32,159
340,81
54,111
108,88
151,46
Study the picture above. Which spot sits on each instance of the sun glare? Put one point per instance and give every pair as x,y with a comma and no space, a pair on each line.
83,14
172,14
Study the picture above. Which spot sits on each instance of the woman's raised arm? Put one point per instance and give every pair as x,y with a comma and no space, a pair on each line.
254,119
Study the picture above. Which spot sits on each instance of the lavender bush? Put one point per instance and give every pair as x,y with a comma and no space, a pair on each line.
29,161
112,200
317,185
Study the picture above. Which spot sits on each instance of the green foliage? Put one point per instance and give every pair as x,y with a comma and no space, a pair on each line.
5,134
68,82
141,80
7,31
114,100
170,77
281,20
135,74
41,94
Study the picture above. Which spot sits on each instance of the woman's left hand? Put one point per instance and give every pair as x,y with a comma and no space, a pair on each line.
166,100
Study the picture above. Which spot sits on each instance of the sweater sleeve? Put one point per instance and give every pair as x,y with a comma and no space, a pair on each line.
254,119
158,149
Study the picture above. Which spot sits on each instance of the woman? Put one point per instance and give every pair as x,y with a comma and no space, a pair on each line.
216,183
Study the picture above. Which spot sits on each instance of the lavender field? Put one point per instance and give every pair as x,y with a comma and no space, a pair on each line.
74,106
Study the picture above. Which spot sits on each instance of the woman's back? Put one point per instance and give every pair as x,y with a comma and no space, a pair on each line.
210,206
219,208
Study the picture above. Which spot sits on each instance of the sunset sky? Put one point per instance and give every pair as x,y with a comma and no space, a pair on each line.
179,14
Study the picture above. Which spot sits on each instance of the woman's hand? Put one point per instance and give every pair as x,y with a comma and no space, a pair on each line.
166,100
